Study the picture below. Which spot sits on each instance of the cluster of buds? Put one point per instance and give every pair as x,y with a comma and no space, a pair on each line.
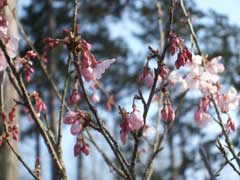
26,64
39,104
10,125
78,120
177,44
132,121
81,147
167,112
146,76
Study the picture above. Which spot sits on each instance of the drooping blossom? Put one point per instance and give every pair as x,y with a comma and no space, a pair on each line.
75,97
39,104
168,113
174,42
76,120
125,128
230,125
136,119
183,57
201,115
147,77
81,147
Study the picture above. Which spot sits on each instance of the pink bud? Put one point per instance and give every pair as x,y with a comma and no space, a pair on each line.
124,136
171,113
77,149
74,97
164,112
86,149
148,80
12,114
164,71
136,119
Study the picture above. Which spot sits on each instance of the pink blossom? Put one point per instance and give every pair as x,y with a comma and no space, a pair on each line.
168,113
164,112
214,66
171,113
136,119
70,117
74,97
147,77
76,128
101,67
87,73
40,106
230,125
228,100
201,117
125,128
95,98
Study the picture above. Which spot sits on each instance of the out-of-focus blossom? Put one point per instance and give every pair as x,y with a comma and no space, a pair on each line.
147,77
136,119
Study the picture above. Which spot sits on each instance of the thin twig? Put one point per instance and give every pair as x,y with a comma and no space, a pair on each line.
207,163
21,160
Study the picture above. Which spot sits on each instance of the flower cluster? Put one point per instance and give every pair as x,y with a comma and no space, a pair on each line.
10,124
206,79
184,55
81,146
79,121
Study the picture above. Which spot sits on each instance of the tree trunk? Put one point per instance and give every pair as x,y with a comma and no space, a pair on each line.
8,162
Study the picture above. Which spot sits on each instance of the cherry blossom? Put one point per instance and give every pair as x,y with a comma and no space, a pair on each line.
147,77
136,119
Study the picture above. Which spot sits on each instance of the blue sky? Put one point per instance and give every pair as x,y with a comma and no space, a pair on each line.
227,7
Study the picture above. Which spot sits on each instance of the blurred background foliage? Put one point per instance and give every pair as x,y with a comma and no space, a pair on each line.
123,29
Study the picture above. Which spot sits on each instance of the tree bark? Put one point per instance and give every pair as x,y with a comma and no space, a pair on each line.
8,162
